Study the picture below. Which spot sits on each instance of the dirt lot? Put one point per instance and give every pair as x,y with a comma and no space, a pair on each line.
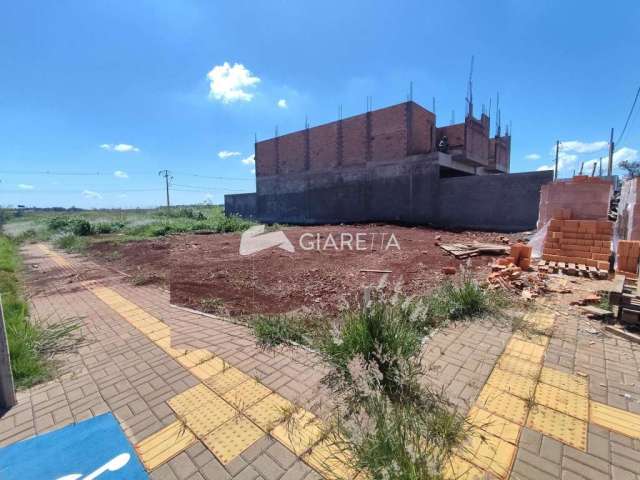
206,272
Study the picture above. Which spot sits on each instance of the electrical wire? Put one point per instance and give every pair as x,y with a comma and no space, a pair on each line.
626,123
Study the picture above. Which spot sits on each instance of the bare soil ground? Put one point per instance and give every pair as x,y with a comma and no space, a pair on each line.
207,273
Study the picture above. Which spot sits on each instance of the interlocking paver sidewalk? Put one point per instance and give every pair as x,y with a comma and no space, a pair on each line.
121,370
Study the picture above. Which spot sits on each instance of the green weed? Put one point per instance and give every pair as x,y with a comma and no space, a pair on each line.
271,331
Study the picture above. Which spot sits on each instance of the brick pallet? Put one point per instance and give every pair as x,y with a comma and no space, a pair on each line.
578,246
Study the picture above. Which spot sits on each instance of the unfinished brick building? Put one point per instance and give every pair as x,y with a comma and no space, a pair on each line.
393,164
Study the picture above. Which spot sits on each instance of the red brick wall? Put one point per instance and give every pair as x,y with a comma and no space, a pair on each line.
477,140
388,141
389,133
266,158
323,147
354,140
422,122
455,134
292,152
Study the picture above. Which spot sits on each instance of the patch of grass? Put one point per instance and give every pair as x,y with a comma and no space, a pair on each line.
31,345
212,305
71,243
604,303
274,330
399,441
464,299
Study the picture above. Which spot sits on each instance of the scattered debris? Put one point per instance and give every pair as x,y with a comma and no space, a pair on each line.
449,270
465,250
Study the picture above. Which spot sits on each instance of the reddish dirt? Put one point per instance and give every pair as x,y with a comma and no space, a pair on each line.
206,272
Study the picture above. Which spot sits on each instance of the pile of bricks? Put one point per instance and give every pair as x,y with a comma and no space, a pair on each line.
627,257
580,242
520,255
510,268
580,197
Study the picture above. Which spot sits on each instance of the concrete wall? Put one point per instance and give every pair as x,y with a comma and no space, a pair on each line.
410,191
503,202
243,204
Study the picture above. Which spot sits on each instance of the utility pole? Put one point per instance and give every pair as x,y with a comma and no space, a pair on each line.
167,176
555,175
581,167
611,147
600,174
593,170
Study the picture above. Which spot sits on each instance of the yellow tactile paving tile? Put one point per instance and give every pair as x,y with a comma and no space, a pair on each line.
560,426
192,398
525,350
523,387
208,368
162,446
165,344
562,401
457,468
299,432
571,383
269,411
489,453
615,419
192,358
519,366
246,394
543,321
231,439
226,380
208,417
493,424
332,460
504,404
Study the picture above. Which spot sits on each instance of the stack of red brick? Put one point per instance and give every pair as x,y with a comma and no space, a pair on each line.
582,242
627,257
580,197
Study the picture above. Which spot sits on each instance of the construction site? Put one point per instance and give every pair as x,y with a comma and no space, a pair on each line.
392,165
386,296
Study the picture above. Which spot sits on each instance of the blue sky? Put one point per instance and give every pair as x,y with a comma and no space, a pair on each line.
132,87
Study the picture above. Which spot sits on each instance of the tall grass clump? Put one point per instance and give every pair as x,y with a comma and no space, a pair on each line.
31,345
392,424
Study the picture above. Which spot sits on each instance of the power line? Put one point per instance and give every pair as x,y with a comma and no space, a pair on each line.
110,174
629,116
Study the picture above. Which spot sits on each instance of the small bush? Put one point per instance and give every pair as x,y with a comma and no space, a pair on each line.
57,224
71,243
80,227
271,331
233,223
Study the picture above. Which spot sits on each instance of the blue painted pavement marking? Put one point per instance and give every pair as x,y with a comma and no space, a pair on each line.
94,449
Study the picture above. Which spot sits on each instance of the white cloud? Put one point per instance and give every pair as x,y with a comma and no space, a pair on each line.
120,174
91,194
226,154
250,160
577,146
544,167
282,103
625,154
119,147
230,84
532,156
122,195
253,171
25,186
